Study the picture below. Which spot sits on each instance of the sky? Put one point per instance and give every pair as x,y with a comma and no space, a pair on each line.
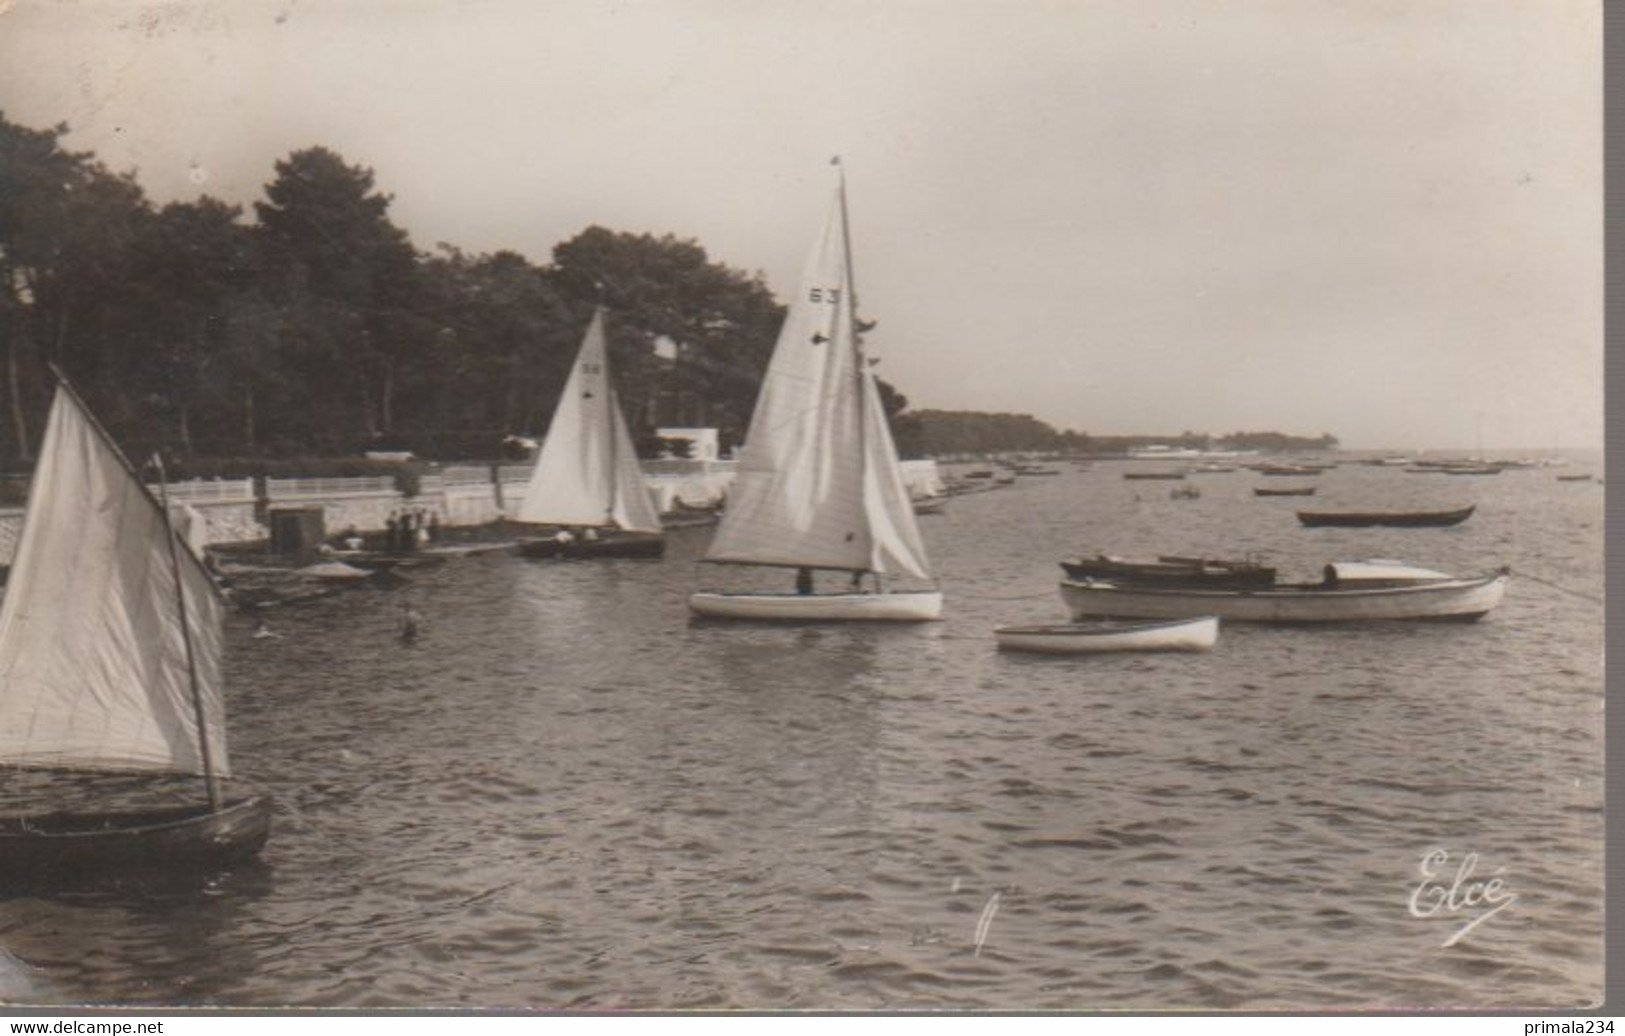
1376,218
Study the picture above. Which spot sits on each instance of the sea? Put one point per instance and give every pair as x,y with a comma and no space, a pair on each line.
568,794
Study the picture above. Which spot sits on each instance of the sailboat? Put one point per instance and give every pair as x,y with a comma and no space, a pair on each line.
110,650
819,485
587,476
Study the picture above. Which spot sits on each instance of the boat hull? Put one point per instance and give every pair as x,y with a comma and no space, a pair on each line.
624,545
69,845
907,606
1390,520
1458,599
1199,634
1169,571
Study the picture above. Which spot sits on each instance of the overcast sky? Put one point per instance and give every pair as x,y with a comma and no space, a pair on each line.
1375,218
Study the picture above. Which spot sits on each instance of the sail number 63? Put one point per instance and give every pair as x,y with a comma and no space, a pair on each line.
829,295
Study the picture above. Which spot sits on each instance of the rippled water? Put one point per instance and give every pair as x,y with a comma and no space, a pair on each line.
569,795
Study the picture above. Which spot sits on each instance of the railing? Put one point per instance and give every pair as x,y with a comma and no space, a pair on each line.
210,491
679,466
466,475
283,488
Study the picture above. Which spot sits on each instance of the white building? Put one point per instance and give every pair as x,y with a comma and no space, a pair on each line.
703,443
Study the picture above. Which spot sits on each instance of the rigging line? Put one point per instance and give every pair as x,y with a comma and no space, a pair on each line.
1594,598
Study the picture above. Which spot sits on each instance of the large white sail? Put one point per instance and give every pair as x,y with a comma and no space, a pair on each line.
587,472
897,543
798,496
93,661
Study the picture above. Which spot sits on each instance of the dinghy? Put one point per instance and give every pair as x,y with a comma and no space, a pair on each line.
1087,638
819,486
1351,592
110,661
587,479
1386,519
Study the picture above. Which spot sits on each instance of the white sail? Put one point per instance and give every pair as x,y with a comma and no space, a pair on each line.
587,472
897,543
798,496
819,485
93,661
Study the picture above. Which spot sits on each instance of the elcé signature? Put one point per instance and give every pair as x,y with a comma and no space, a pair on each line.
1463,892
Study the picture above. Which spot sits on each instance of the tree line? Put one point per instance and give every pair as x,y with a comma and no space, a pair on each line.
315,327
948,432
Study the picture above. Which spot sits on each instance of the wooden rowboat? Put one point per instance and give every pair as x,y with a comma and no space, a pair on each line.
1366,592
1086,638
1170,570
1389,519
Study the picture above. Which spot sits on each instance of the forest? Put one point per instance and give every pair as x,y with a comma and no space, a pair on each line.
314,327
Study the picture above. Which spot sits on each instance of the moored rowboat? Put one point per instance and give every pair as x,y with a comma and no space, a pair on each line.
1169,570
1388,519
1197,634
1433,596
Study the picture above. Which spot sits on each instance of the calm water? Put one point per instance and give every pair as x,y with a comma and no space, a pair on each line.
567,795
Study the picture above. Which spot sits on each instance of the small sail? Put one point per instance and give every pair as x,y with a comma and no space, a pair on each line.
587,472
93,662
897,543
798,496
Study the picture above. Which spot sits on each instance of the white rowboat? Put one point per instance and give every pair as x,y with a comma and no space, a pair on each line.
1099,637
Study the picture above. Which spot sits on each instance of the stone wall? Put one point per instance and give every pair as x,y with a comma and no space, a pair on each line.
234,511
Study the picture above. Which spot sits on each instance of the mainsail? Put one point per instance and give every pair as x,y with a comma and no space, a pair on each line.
587,472
819,485
93,656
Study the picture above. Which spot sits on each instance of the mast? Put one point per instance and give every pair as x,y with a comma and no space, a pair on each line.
211,781
611,405
850,290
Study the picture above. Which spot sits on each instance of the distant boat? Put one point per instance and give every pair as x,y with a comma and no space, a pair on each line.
819,485
1162,475
1171,570
110,660
1388,519
587,479
1293,491
1198,634
1574,478
1162,452
1351,592
1289,470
